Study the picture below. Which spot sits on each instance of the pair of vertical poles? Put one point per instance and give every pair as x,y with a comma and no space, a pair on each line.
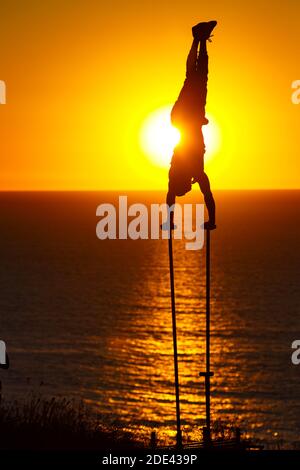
207,374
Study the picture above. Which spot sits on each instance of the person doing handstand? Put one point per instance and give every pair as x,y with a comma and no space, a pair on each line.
188,115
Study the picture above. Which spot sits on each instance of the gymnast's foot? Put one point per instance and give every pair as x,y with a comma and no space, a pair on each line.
209,226
202,31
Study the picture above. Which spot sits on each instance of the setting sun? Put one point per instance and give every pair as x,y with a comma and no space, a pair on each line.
159,137
212,138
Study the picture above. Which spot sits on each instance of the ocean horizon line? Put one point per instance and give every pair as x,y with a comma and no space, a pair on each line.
141,190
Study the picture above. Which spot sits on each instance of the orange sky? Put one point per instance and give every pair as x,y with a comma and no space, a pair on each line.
82,76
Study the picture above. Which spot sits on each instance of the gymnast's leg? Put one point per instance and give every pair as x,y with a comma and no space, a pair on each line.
192,59
202,69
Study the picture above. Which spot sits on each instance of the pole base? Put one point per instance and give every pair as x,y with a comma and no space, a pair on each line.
206,436
178,440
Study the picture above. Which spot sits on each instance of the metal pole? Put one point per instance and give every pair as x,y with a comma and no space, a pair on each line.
207,391
207,374
178,437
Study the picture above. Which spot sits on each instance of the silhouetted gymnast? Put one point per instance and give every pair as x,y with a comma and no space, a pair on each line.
188,115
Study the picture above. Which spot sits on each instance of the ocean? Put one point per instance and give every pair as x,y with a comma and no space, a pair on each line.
91,319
